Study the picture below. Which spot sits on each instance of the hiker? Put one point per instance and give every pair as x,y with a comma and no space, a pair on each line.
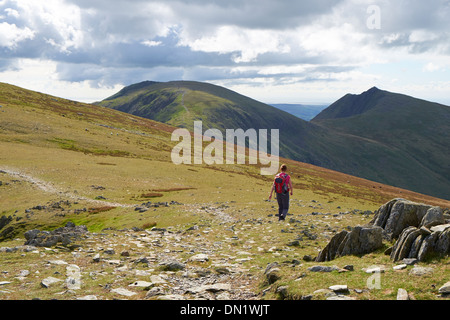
282,185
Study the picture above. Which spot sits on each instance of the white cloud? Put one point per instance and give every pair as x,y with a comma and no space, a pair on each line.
151,43
431,67
422,36
11,35
247,44
42,76
12,13
258,44
55,21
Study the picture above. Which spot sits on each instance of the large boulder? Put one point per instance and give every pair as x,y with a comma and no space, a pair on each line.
422,243
360,240
398,214
419,229
330,251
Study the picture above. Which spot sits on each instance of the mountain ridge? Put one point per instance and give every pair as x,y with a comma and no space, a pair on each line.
338,138
416,128
355,104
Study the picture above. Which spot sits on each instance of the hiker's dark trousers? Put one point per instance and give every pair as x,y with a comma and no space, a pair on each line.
283,205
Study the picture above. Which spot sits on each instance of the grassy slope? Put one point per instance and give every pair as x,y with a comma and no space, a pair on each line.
221,108
354,148
68,147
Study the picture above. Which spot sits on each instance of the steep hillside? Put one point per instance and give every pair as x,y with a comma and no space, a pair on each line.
62,161
417,130
66,148
180,103
353,147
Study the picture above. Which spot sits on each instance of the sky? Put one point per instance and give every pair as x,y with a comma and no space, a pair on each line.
284,51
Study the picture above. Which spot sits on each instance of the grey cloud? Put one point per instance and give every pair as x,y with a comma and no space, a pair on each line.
111,50
261,14
404,16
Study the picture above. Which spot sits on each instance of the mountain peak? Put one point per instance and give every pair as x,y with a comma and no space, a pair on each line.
373,89
351,105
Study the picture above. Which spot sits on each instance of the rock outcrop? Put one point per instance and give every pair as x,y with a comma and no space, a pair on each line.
360,240
398,214
64,235
420,231
422,243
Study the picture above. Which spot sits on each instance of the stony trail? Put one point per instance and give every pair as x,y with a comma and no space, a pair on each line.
133,264
50,188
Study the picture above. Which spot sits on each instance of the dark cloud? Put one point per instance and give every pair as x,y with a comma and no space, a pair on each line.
121,42
259,14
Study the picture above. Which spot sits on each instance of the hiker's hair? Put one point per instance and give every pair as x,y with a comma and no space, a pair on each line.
283,167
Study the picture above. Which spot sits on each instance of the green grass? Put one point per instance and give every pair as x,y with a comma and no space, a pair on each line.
135,161
387,136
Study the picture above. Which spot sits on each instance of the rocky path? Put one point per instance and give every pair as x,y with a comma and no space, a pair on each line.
50,188
129,264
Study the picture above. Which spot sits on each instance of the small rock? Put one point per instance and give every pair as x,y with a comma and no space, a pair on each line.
348,267
123,292
142,284
222,270
24,273
217,287
270,266
273,275
88,297
322,293
340,297
58,262
73,281
402,294
110,251
283,291
339,288
155,291
173,266
172,297
323,269
445,289
374,269
155,279
400,267
223,296
96,258
421,271
410,261
199,257
47,282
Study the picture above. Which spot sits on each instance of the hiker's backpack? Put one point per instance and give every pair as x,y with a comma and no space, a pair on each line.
280,183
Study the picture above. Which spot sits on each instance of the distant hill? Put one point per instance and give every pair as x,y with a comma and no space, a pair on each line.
180,103
305,112
380,136
417,130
